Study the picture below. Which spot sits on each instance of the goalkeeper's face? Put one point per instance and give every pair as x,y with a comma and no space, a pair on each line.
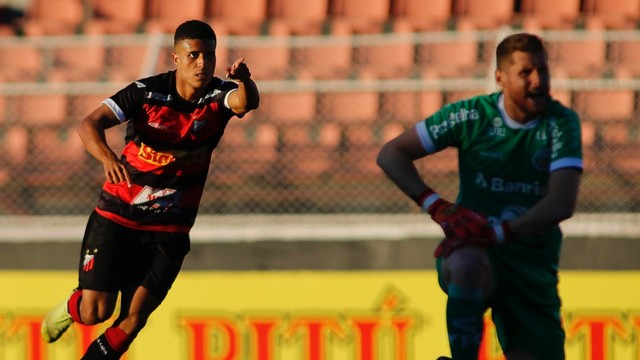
525,82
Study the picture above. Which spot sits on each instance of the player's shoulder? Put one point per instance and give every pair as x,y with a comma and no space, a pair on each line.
559,111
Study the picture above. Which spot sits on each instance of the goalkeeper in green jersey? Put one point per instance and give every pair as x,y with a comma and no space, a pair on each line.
520,164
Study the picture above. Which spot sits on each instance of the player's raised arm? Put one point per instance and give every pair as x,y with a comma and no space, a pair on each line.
247,97
92,132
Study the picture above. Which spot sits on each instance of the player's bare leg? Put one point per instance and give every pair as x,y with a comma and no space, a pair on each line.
467,276
137,304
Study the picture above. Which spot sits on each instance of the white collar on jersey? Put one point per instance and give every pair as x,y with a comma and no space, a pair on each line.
512,123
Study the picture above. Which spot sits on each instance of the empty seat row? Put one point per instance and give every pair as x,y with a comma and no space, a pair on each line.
127,58
249,17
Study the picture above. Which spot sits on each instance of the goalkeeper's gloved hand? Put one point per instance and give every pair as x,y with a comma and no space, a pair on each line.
456,221
494,235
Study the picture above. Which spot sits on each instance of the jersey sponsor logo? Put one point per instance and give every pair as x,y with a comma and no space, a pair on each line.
500,185
158,96
149,194
154,157
460,116
497,129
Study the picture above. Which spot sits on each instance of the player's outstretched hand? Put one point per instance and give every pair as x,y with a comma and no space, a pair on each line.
238,71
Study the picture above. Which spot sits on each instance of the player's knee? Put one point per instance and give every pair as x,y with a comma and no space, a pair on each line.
469,266
92,314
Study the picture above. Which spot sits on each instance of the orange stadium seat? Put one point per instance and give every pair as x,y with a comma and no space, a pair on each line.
351,107
28,65
289,107
454,55
568,56
605,105
625,56
125,62
79,61
238,17
268,61
402,107
60,17
615,14
117,16
301,17
387,59
362,16
14,144
53,149
165,15
550,14
488,14
325,57
308,151
434,15
246,150
39,110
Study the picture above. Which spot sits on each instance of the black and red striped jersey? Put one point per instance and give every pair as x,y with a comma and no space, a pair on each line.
168,147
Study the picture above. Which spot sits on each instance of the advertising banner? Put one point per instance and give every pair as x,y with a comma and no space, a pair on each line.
314,315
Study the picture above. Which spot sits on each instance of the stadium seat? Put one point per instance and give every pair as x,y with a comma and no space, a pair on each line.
127,60
28,66
550,14
82,60
625,56
308,151
387,59
239,17
60,17
39,110
420,15
359,106
568,55
301,17
268,57
451,54
109,17
247,150
613,14
53,149
402,107
289,107
456,95
165,15
488,14
605,105
362,16
14,144
324,57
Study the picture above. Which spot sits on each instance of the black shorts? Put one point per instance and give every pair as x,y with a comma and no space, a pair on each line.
114,257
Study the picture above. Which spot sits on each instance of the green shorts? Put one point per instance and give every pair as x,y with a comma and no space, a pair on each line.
525,306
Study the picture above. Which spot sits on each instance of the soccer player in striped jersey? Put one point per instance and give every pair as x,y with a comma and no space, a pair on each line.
520,165
138,235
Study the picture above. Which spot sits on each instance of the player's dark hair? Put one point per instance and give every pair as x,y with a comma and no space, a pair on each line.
524,42
194,29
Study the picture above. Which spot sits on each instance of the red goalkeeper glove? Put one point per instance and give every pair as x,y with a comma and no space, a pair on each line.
494,235
456,221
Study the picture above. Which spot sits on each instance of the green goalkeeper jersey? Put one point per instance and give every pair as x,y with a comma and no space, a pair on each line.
504,165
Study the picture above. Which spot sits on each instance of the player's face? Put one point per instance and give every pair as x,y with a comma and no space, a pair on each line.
526,84
195,62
